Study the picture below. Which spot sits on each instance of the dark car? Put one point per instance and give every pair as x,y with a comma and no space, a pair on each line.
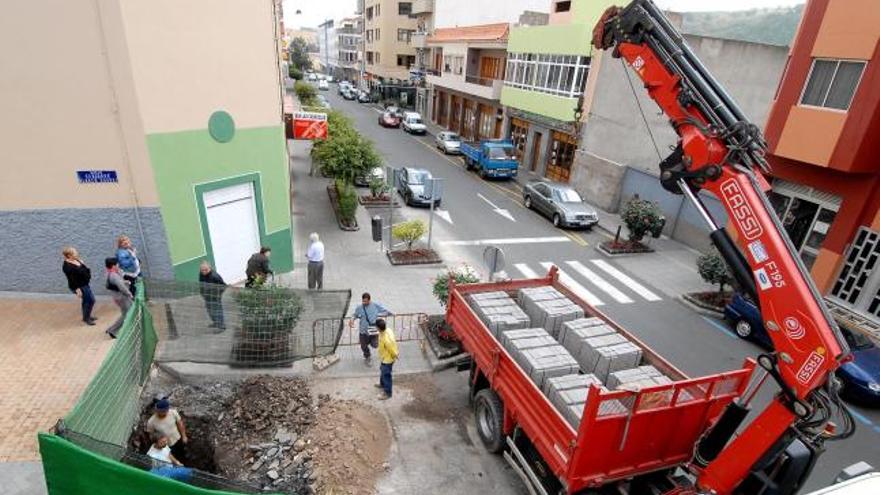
861,376
560,203
414,184
388,119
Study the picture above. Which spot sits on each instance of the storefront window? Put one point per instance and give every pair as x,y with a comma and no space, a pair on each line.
519,131
806,222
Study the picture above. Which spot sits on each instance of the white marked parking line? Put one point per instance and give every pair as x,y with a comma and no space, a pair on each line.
525,270
578,289
515,240
626,280
599,282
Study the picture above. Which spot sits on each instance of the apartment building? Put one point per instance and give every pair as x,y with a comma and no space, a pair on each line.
328,47
466,77
823,133
348,36
155,133
388,51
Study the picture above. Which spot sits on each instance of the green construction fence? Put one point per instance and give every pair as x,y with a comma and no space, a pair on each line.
86,454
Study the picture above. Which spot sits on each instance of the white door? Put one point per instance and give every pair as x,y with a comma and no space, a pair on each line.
233,227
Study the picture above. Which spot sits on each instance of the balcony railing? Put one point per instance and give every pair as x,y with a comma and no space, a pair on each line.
422,7
419,40
482,81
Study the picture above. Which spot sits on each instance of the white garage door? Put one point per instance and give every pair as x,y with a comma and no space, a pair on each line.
233,227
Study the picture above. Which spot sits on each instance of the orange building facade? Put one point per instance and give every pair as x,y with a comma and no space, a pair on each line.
824,136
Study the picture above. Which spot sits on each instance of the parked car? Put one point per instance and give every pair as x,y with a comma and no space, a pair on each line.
312,76
329,79
449,142
349,94
322,84
496,159
377,173
364,97
395,110
388,119
860,377
343,87
414,184
560,203
412,123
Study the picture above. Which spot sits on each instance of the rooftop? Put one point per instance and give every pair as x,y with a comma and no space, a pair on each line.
484,32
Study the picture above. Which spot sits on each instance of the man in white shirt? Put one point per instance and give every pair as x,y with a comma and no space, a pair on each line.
315,255
164,463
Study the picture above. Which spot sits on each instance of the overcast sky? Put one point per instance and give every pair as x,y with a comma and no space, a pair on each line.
316,12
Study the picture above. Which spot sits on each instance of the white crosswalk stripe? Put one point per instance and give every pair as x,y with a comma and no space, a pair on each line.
599,282
575,287
595,280
526,271
626,280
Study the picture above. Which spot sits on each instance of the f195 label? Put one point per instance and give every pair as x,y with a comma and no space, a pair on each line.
742,212
810,367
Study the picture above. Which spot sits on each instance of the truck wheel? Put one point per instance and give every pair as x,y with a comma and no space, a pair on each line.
468,164
489,415
556,220
483,173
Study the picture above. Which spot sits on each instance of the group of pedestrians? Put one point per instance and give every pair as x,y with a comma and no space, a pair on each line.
121,273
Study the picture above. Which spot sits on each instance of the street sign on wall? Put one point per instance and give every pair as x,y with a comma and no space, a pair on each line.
309,125
96,176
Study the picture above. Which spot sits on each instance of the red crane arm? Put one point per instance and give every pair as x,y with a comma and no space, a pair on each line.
718,151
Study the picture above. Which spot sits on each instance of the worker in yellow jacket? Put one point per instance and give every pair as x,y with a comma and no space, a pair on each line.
387,356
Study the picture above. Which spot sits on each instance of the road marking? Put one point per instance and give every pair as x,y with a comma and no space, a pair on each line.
525,270
599,282
515,240
444,214
578,289
501,211
719,326
626,280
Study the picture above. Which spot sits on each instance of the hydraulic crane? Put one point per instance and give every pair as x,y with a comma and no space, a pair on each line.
721,152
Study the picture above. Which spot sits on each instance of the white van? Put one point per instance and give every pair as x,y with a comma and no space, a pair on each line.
412,123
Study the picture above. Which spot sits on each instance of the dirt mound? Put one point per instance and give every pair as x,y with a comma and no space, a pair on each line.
269,432
349,444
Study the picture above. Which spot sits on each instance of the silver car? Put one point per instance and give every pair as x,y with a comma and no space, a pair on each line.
448,142
414,184
560,203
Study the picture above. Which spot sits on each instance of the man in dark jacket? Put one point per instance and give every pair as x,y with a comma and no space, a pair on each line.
258,267
211,288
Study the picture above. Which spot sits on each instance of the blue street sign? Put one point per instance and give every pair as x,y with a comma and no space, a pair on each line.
96,176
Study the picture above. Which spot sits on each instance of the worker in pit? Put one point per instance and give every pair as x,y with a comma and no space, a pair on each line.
166,421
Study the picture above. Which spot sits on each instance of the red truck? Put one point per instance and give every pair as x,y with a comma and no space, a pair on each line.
654,432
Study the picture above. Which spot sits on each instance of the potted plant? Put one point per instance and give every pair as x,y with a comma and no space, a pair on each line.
713,270
641,218
268,314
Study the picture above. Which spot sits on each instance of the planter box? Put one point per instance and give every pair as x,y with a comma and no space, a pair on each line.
442,348
697,301
610,248
371,202
415,257
334,202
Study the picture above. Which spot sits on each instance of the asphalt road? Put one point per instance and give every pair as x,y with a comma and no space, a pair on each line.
475,212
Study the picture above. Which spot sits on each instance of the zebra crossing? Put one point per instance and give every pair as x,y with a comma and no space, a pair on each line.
594,281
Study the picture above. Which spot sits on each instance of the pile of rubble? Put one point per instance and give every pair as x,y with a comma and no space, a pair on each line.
270,433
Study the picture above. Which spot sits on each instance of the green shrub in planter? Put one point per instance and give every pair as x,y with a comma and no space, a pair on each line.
378,187
463,274
409,232
642,218
295,73
304,91
268,314
347,196
713,269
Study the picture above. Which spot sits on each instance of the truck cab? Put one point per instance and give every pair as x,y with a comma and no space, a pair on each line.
495,158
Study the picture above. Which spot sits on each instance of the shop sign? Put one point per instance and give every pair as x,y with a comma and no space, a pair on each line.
96,176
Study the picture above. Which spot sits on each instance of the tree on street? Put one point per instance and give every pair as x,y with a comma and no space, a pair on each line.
299,54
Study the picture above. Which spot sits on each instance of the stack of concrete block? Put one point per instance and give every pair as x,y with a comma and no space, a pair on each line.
542,363
525,333
548,308
498,312
616,357
580,323
574,334
618,378
569,395
520,345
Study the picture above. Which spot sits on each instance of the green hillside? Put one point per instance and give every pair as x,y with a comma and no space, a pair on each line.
775,26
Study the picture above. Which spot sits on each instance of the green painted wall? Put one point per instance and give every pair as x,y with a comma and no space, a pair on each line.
561,39
589,11
187,162
552,106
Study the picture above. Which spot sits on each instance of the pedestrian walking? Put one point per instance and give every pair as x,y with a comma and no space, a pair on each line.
212,287
119,289
129,264
388,354
367,314
78,277
166,421
258,267
315,255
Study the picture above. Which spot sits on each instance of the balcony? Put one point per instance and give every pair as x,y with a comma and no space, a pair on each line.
422,7
419,40
472,85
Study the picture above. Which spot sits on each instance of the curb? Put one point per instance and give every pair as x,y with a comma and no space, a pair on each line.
700,309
